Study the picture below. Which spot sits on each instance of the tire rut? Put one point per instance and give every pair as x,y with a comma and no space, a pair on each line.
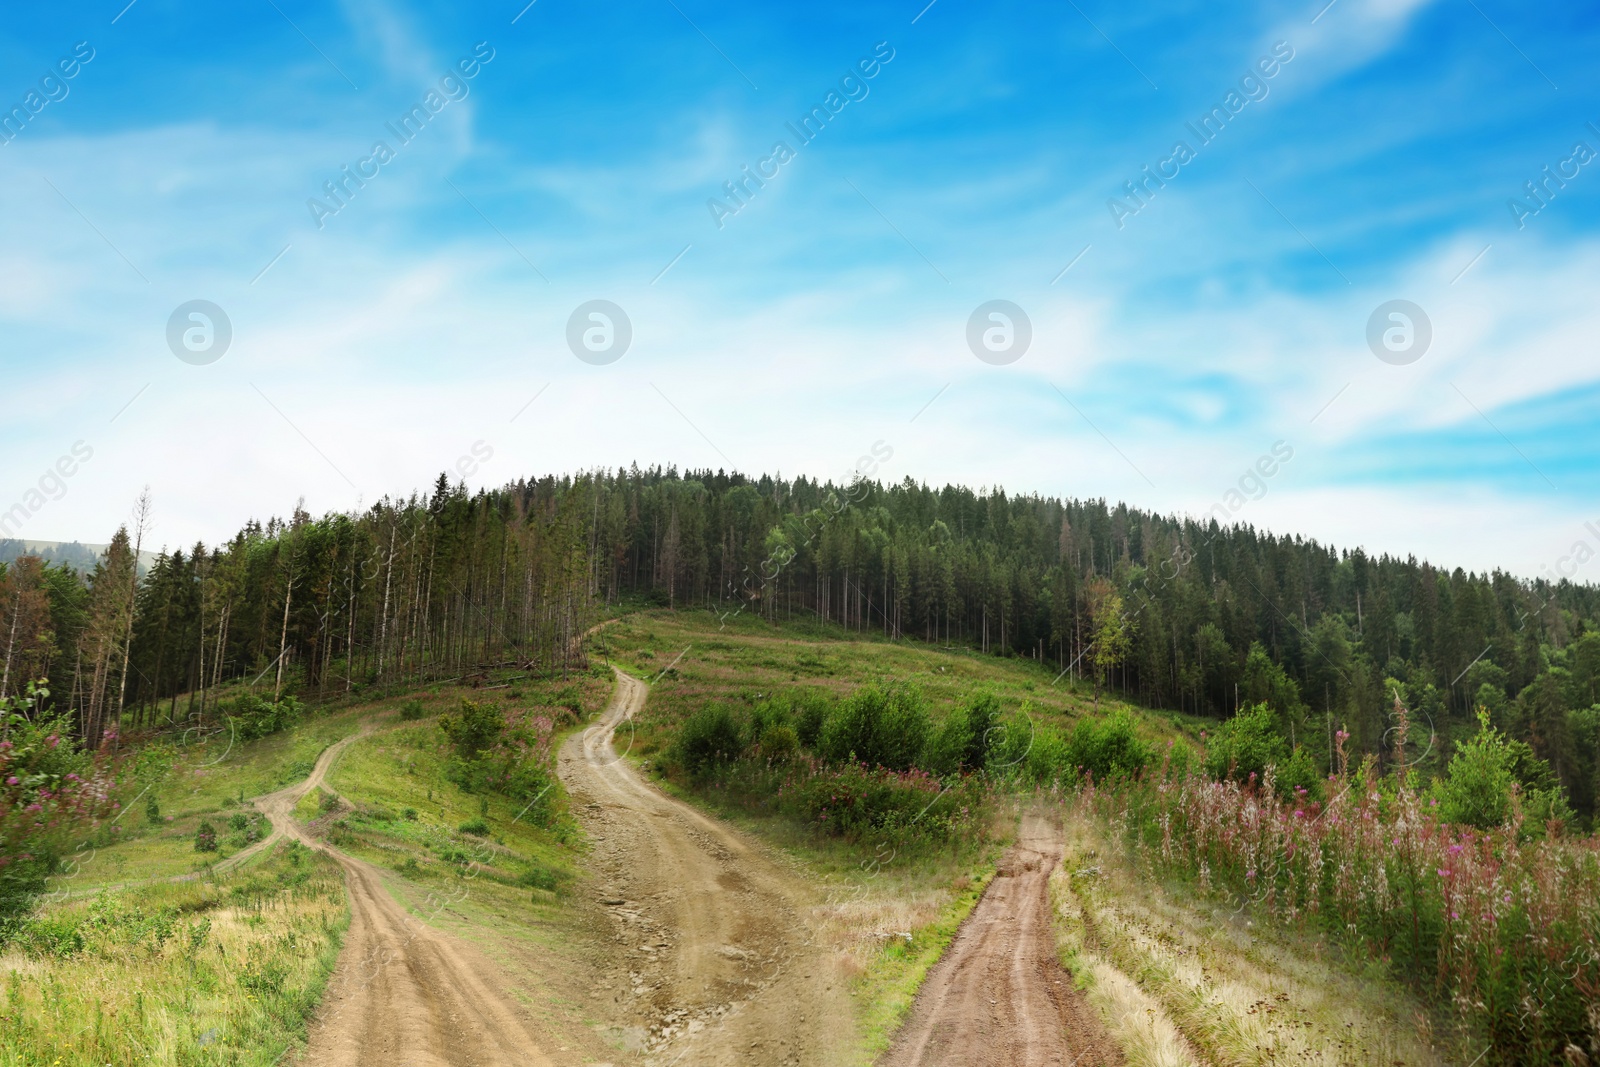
403,993
999,996
715,964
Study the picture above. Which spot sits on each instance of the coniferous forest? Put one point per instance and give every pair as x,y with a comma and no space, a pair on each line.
1162,610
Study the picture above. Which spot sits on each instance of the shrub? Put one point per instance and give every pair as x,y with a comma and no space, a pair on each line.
51,936
1013,748
238,822
708,739
963,741
477,827
856,802
778,743
1040,754
152,811
475,731
1246,745
1299,776
877,726
205,837
540,878
1488,778
409,814
808,709
1107,748
412,710
252,717
52,792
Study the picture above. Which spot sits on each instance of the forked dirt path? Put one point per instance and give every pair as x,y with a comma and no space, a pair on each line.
999,996
716,962
403,994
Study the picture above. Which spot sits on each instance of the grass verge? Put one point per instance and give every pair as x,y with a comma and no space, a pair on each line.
225,970
1182,984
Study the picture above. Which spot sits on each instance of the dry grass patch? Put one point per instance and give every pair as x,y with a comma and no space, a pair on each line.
1211,987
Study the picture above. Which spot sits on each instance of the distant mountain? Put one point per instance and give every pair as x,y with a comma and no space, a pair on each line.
74,554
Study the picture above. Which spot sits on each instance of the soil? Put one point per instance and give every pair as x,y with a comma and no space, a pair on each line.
403,993
704,954
714,961
999,995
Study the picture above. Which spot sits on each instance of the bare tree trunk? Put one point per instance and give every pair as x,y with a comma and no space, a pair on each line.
388,575
201,629
283,639
141,519
16,611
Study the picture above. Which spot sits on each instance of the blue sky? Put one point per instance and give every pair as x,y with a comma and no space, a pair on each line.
580,162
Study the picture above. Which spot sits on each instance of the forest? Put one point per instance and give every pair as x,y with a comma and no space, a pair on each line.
1164,610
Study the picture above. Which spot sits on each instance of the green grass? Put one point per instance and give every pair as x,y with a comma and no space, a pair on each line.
390,773
102,973
887,917
871,898
693,659
225,970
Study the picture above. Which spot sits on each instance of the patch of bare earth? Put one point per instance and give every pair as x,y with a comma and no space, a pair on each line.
714,958
403,992
999,996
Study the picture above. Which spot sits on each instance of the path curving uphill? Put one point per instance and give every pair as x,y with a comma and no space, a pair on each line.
999,996
403,994
718,964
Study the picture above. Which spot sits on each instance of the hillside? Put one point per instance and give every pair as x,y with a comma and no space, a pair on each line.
1195,617
75,554
390,799
945,711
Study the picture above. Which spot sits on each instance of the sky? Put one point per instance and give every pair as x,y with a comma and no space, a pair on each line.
271,250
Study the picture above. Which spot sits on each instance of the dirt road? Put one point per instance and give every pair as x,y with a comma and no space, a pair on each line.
403,993
715,964
999,996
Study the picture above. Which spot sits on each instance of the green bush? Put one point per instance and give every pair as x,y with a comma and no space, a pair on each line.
252,717
877,726
1300,776
1178,761
1488,776
412,710
1012,749
475,730
541,878
857,802
778,743
808,709
708,739
205,837
1246,744
477,827
1107,748
963,741
1042,754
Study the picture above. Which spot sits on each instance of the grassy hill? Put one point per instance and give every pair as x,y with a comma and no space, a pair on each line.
201,961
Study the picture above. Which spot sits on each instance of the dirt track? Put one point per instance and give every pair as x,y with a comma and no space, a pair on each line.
715,963
403,993
999,995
